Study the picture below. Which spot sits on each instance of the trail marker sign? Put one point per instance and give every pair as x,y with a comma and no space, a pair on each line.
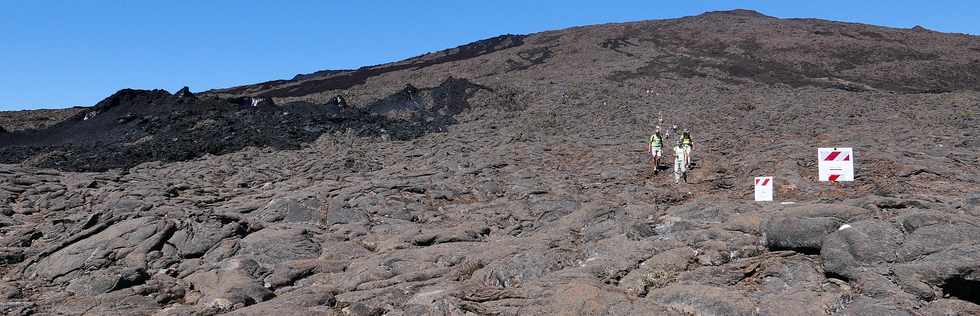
835,164
764,188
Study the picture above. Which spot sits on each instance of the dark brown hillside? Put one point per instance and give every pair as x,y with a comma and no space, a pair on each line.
737,47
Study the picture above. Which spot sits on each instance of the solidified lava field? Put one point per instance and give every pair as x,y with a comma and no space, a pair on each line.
509,177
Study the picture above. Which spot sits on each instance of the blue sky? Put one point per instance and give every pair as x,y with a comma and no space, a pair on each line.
64,53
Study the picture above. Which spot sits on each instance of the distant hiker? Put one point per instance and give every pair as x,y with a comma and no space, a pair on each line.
410,90
688,145
680,163
655,147
340,101
90,115
671,131
259,102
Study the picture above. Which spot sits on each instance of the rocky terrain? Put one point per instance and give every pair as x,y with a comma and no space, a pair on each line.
509,177
35,119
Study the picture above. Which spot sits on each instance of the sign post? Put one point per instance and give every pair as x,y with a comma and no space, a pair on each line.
835,164
763,188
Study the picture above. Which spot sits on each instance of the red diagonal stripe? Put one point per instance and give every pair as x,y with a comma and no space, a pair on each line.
832,155
765,182
756,181
834,177
847,158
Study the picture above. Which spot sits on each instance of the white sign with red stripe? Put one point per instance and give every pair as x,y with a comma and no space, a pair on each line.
835,164
763,188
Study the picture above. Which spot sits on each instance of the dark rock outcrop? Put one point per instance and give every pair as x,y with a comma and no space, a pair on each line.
185,94
132,126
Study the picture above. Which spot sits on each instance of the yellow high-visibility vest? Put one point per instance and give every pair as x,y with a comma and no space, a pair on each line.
656,141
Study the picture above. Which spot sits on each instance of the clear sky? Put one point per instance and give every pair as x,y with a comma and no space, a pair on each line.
65,53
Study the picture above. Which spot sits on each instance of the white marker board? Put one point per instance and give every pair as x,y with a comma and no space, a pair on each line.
764,188
835,164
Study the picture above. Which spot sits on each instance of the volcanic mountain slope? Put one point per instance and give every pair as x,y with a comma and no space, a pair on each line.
732,47
508,177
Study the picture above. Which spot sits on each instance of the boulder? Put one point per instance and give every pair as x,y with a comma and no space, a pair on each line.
658,271
521,268
306,301
704,300
953,271
196,238
471,233
880,287
785,275
581,297
796,301
129,238
863,306
858,246
125,302
234,283
930,232
290,210
951,307
803,234
339,214
287,273
106,281
335,256
277,244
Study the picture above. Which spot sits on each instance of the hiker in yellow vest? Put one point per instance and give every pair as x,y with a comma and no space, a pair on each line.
655,147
